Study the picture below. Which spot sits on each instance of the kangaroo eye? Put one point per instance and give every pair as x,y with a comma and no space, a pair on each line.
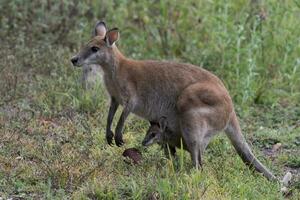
152,135
95,49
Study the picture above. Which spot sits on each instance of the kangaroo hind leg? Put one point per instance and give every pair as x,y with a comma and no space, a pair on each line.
193,133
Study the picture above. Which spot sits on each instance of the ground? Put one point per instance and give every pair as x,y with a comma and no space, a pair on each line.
53,130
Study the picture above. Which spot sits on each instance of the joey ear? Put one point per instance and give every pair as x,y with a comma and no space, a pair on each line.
100,29
163,123
112,36
152,123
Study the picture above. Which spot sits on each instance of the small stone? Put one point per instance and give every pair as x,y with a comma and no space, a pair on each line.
284,190
287,179
19,158
276,147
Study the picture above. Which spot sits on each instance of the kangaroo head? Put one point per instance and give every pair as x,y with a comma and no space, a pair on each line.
100,49
155,132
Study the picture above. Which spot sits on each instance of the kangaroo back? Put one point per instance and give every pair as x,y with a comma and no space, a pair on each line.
233,131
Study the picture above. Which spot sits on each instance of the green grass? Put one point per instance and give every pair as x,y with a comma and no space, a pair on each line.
52,131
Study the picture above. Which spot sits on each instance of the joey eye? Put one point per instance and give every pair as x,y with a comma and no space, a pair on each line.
95,49
152,135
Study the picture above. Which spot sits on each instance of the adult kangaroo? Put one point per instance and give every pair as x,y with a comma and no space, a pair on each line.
195,102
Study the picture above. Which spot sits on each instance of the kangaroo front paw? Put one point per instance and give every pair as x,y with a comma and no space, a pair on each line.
109,137
119,140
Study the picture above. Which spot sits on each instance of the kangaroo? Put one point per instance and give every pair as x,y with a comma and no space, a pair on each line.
195,101
158,133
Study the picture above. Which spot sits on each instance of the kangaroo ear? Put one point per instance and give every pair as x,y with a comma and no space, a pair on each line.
100,29
112,36
163,123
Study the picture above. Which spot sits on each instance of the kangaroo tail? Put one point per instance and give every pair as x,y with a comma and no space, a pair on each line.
233,131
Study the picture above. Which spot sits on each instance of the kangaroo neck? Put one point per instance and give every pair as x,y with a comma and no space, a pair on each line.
111,69
115,63
118,56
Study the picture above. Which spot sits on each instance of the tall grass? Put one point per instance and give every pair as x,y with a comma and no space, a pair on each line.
52,130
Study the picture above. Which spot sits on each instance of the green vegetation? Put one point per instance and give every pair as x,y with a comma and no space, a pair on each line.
52,142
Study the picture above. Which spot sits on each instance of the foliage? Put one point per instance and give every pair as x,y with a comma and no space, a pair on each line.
52,131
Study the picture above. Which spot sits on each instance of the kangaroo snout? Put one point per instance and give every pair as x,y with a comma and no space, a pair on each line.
146,143
74,60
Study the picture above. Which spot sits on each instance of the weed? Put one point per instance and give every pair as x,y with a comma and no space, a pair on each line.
52,130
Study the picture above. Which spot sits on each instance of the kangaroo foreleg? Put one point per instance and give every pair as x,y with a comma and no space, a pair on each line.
120,125
111,113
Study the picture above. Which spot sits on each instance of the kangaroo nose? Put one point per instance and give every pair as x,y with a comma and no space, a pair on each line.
74,60
144,143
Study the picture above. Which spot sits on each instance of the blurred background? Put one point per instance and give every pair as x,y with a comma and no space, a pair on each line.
252,46
52,143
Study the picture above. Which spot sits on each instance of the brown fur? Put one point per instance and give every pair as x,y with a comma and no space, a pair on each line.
194,101
159,133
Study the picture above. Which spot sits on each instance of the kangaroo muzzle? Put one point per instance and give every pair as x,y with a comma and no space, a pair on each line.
146,143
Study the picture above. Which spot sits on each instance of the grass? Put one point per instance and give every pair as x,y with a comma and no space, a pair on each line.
52,130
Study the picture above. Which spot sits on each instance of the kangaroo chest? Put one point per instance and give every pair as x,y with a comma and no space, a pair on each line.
112,89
